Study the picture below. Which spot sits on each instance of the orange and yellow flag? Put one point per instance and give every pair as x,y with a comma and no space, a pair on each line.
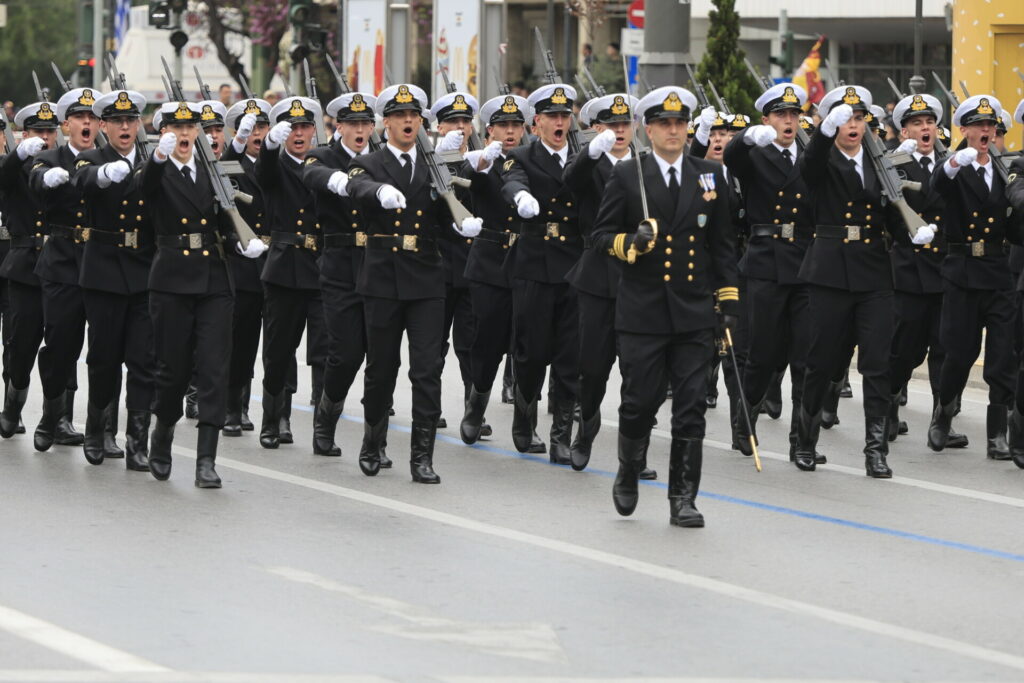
808,75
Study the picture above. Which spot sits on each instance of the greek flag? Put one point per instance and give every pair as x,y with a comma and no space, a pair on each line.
122,9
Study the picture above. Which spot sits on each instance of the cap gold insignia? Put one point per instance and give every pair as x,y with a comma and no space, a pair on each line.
357,103
719,121
984,107
252,108
619,106
208,113
460,104
672,102
740,121
183,113
44,113
558,97
122,103
789,95
86,99
918,104
804,123
510,106
403,96
297,109
851,96
869,117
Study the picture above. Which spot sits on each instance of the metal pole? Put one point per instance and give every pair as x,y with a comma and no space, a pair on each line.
917,82
666,42
566,37
178,66
783,43
97,44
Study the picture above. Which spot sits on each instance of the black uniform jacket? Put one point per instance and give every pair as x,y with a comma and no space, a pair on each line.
179,207
63,207
290,209
486,260
118,208
337,215
976,214
542,258
669,290
24,219
1015,195
246,271
917,268
594,273
775,197
839,199
393,271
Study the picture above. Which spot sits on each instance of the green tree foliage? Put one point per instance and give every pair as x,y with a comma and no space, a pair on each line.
723,60
37,32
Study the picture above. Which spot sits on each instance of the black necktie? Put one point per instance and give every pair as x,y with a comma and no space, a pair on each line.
981,173
558,159
926,164
407,169
788,156
853,165
673,185
187,172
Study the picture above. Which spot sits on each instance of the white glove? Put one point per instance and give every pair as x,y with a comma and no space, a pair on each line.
245,127
115,171
837,117
601,144
762,136
168,141
925,234
390,197
704,123
336,135
492,151
251,250
526,204
908,146
209,140
966,156
55,177
337,183
451,142
471,226
29,147
278,134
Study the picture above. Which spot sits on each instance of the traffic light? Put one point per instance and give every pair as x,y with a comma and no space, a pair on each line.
159,14
300,12
785,60
85,70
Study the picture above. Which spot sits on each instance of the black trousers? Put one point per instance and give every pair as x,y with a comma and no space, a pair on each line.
546,329
918,318
346,337
63,336
779,331
246,325
5,326
386,321
492,308
120,331
861,318
965,313
596,349
286,312
25,323
460,326
646,360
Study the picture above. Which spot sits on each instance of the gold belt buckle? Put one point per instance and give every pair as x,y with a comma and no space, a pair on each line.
853,232
84,234
195,240
360,239
977,249
131,239
309,242
552,230
409,243
788,231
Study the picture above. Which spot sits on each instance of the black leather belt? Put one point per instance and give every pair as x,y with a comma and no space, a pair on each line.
550,230
344,239
853,233
193,240
311,242
400,242
979,249
29,241
120,239
786,231
67,232
498,236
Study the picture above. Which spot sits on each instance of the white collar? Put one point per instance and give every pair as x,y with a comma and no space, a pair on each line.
563,153
976,165
130,156
294,158
664,165
349,152
191,164
398,153
918,156
858,157
792,148
615,160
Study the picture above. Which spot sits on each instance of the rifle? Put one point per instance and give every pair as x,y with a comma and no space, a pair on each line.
204,89
8,132
698,89
892,184
44,96
801,135
375,141
101,139
940,149
598,88
723,106
223,191
311,92
503,87
551,76
998,162
474,139
582,88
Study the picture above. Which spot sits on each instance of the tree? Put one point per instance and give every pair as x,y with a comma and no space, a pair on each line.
264,22
723,60
37,32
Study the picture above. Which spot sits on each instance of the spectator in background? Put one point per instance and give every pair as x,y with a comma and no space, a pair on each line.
271,96
9,110
519,88
226,94
588,54
608,71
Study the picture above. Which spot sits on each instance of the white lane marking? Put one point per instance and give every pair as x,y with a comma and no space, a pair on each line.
533,641
73,645
755,597
69,676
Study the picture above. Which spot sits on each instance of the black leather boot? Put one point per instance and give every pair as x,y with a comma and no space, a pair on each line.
772,403
625,490
903,396
741,434
95,423
646,472
524,425
561,433
247,425
325,424
579,453
819,458
421,453
191,402
233,414
385,461
53,408
684,467
830,405
893,421
136,441
1015,434
270,434
160,450
876,447
206,456
995,432
807,430
10,418
473,420
318,384
712,379
508,384
65,434
373,443
938,430
285,430
845,390
110,447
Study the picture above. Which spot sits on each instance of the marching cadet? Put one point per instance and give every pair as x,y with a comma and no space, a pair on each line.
402,280
1003,124
38,121
778,210
5,247
489,286
595,277
979,290
119,249
213,114
190,298
917,270
250,119
60,261
544,304
291,276
849,274
665,313
1015,195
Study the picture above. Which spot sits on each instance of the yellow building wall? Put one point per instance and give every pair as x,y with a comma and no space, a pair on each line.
988,53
